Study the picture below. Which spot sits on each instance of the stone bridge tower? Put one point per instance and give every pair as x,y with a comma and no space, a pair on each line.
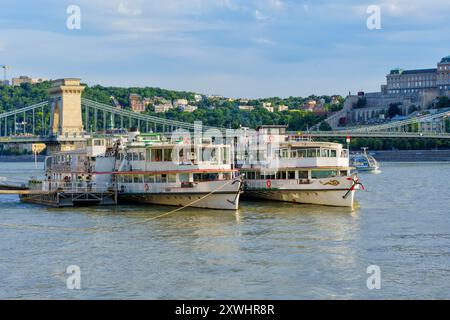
65,98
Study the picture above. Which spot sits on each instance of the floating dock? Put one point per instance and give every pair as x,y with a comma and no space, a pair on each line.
62,197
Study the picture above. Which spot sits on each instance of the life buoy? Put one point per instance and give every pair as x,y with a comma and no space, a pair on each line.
268,184
147,187
187,140
271,138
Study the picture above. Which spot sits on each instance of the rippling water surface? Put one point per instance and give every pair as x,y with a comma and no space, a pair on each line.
264,251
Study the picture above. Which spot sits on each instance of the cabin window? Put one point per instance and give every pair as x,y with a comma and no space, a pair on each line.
184,177
127,179
343,173
171,178
281,175
285,153
251,175
291,175
320,174
303,174
268,176
157,155
137,179
135,156
225,155
333,153
168,155
141,156
149,153
149,178
161,178
258,175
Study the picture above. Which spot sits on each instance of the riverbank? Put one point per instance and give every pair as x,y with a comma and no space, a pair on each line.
21,158
412,155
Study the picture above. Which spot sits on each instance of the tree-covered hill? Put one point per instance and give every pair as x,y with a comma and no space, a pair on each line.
222,113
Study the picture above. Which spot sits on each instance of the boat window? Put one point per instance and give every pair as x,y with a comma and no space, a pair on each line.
168,155
291,175
161,178
184,177
198,177
303,174
333,153
135,156
225,155
171,178
127,179
141,156
250,175
268,176
138,179
149,178
320,174
258,175
343,173
149,155
281,175
157,155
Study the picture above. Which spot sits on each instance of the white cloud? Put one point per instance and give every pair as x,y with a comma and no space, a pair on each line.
259,16
125,9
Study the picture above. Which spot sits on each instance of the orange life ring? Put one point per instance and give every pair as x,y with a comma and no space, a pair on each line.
186,140
271,138
268,184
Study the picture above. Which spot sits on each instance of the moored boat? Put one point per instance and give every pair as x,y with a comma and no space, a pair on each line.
296,169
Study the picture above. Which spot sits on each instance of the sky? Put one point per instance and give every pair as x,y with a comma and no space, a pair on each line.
236,48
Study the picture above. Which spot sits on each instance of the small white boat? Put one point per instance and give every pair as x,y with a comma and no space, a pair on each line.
364,161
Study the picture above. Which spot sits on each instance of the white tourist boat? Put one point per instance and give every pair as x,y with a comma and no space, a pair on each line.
179,173
141,169
299,170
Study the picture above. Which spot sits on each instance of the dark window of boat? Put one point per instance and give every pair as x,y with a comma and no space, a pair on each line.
291,175
157,155
303,174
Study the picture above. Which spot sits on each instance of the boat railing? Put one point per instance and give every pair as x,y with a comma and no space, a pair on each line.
76,187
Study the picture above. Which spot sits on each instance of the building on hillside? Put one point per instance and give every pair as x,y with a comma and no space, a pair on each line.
180,102
282,107
160,108
188,108
246,108
410,90
24,79
270,109
198,97
136,103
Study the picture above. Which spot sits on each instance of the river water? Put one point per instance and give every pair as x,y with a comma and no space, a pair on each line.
264,251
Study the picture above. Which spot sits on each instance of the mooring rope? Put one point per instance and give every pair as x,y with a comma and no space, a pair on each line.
120,226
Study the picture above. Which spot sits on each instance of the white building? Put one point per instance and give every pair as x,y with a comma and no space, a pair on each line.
180,102
189,108
246,108
282,108
163,107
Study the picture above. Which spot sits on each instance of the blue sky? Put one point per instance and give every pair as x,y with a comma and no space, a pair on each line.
252,48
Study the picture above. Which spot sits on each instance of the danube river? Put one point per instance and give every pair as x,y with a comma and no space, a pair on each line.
264,251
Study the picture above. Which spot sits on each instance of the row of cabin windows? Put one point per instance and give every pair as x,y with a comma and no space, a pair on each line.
290,175
171,178
148,178
157,155
308,153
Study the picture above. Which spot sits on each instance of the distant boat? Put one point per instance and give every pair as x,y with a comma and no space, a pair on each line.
364,161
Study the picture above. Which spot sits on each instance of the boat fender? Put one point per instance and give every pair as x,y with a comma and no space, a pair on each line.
268,184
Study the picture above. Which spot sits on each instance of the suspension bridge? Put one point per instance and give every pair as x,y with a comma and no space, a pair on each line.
67,119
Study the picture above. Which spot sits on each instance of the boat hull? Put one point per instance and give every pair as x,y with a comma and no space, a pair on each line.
219,201
335,198
337,191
